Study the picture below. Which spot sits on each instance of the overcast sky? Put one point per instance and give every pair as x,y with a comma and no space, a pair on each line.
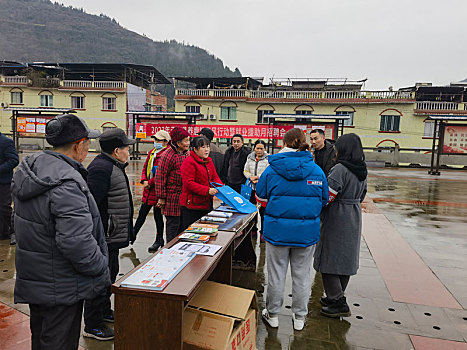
392,43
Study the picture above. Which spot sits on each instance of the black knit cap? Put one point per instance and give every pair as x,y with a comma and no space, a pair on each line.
207,132
67,128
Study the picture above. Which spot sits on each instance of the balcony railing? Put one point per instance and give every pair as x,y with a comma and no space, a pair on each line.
266,94
94,84
229,93
433,105
15,80
303,94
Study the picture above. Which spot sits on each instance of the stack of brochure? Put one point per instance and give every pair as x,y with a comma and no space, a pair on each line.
213,219
160,270
204,229
192,237
220,214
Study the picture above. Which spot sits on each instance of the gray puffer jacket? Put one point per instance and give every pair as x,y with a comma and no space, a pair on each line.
61,255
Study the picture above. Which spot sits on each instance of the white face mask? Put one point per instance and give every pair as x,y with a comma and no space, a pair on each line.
158,145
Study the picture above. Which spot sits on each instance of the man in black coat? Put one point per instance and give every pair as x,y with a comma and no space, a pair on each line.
234,163
61,255
216,153
8,161
324,152
110,188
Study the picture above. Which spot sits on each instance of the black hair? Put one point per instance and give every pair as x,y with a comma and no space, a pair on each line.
349,147
257,142
109,148
199,141
238,135
318,130
295,138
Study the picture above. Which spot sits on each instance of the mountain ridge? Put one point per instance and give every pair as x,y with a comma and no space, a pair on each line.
45,31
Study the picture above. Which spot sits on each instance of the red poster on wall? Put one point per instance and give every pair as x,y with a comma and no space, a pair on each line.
455,139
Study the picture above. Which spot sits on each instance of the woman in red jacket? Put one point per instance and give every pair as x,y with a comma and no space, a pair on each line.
161,139
198,172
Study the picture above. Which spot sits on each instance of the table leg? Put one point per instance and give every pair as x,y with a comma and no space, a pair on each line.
223,271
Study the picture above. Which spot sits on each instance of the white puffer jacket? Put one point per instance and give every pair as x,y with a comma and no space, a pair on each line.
253,167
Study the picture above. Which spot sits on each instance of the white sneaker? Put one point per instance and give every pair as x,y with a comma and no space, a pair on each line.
298,324
272,321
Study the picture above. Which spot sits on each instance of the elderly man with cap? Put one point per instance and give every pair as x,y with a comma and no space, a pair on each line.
216,153
161,140
61,255
169,180
110,187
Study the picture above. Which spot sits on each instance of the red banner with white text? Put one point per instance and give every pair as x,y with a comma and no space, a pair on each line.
144,130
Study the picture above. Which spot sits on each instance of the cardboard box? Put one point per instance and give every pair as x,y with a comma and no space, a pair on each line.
221,317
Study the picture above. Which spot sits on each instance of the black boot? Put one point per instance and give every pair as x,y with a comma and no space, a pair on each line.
157,244
155,247
336,309
325,301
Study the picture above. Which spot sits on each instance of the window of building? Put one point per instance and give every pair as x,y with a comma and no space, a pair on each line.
47,101
261,113
77,102
429,129
193,109
228,113
303,112
390,123
17,98
109,103
347,122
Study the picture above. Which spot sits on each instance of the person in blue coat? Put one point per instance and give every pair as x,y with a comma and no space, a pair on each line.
296,190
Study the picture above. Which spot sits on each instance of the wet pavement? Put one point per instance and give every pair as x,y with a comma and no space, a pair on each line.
410,291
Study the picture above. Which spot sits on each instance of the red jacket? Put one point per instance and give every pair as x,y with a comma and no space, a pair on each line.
149,194
197,174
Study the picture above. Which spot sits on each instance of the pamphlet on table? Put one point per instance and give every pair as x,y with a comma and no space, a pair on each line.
198,248
160,270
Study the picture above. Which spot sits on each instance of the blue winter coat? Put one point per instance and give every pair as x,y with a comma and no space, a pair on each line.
296,190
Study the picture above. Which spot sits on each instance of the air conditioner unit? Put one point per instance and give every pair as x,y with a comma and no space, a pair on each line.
204,116
212,117
4,105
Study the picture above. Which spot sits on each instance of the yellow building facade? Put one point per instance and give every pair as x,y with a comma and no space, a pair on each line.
101,103
380,118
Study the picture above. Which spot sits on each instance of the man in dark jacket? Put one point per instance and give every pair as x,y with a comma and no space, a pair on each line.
8,161
234,162
61,255
324,152
216,153
110,187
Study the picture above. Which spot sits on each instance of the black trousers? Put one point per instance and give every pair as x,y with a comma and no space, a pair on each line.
172,227
5,210
335,285
143,213
95,309
189,216
56,327
236,187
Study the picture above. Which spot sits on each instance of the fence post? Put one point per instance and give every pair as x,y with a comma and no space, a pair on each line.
396,156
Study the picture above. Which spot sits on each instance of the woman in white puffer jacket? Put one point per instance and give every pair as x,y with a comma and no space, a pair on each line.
256,163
